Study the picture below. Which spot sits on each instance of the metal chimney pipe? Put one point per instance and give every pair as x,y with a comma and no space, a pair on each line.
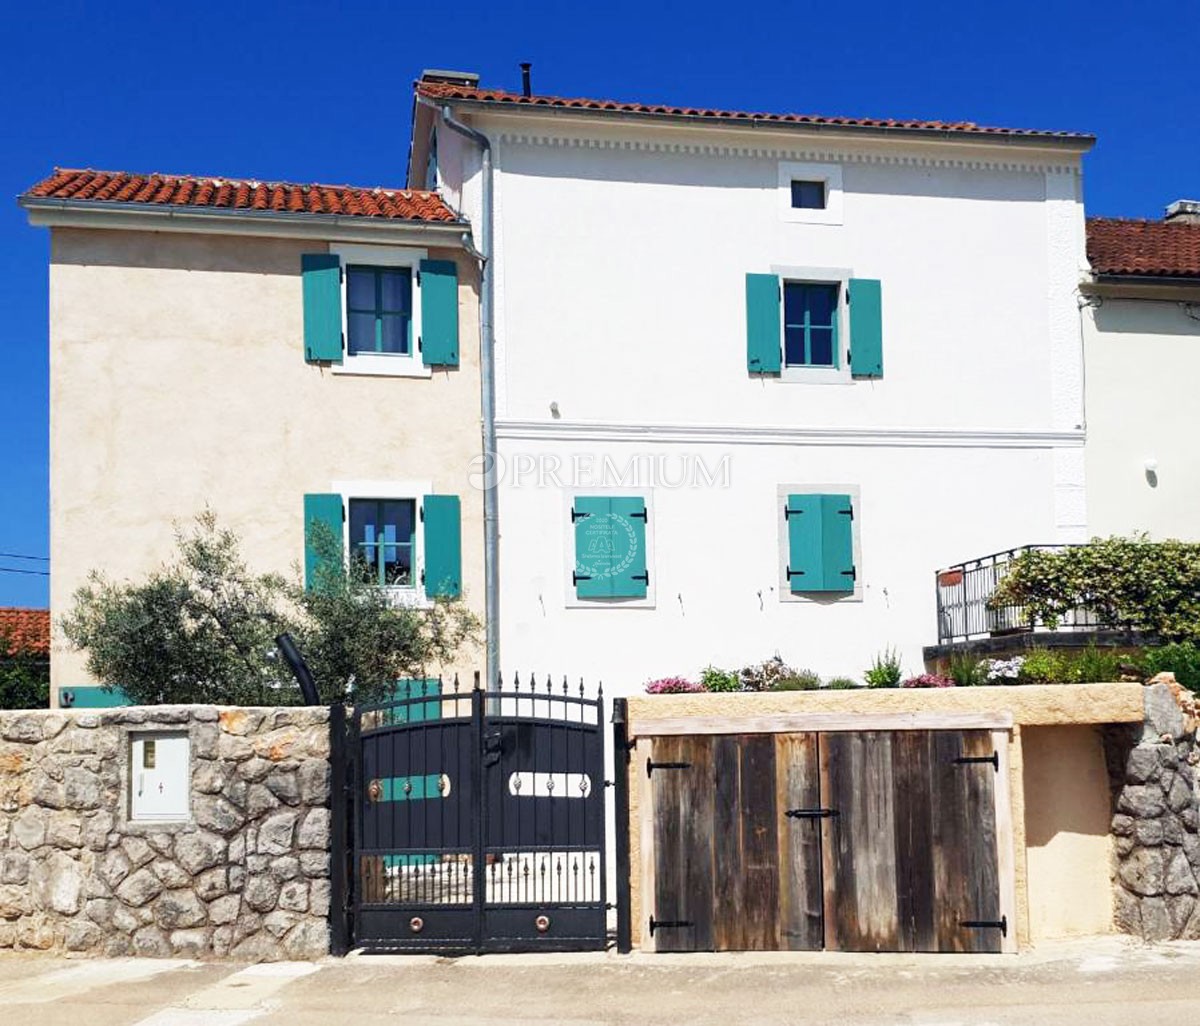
526,86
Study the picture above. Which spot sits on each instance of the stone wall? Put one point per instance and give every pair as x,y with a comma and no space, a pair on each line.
1156,821
245,876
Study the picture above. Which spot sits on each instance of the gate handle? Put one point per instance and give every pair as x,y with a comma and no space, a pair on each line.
812,813
374,790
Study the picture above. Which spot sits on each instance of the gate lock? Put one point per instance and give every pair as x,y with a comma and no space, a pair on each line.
493,744
812,813
374,790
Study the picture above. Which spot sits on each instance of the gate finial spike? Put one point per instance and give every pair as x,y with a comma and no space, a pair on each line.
517,680
599,688
549,684
565,684
456,682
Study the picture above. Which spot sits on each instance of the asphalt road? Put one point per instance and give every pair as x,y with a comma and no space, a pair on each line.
1098,982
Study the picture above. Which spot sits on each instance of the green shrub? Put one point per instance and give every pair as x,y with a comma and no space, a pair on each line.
967,671
1045,666
24,677
1181,659
798,680
885,671
714,679
763,676
1094,665
842,684
1132,583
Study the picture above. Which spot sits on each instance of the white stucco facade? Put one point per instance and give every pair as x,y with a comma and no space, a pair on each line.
1143,360
621,251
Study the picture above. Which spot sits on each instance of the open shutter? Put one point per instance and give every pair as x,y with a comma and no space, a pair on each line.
866,328
442,517
820,543
321,275
439,313
610,547
319,508
763,324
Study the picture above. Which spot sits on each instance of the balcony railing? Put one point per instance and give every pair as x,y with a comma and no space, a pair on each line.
964,592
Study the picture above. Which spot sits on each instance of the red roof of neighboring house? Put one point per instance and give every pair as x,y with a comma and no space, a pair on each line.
1161,249
454,91
28,629
241,194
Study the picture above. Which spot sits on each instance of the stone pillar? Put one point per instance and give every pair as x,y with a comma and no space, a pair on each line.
1155,824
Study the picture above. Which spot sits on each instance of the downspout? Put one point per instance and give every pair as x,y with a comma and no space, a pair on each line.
487,382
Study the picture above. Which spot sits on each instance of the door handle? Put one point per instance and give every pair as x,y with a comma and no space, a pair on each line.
812,813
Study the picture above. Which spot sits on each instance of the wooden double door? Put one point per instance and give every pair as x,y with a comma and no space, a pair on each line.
863,841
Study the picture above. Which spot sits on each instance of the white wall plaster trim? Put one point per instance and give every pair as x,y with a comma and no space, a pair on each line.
727,434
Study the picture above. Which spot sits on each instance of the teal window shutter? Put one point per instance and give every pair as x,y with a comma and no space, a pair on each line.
442,515
866,328
319,508
610,547
439,313
321,275
762,324
820,543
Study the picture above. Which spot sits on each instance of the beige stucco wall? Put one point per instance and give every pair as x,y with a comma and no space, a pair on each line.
178,381
1143,360
1067,843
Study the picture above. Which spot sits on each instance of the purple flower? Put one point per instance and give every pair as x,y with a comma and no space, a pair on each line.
928,680
672,686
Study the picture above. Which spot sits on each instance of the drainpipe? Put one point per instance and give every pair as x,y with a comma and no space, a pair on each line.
487,381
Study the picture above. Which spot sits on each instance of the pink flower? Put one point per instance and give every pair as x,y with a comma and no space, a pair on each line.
928,680
672,686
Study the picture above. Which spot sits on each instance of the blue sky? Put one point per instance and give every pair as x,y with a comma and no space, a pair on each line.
321,92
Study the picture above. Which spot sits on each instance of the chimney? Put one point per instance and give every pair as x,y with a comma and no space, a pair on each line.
458,78
1183,212
526,85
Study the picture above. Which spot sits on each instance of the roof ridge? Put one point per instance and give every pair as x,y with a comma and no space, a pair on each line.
231,179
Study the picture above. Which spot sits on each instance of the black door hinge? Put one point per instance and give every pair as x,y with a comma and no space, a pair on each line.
668,924
640,516
789,512
812,813
1000,924
970,760
641,577
576,578
578,516
652,766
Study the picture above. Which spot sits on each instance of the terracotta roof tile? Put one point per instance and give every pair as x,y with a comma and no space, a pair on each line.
28,629
451,91
242,194
1162,249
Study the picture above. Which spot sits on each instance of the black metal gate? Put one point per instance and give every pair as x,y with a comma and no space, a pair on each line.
478,820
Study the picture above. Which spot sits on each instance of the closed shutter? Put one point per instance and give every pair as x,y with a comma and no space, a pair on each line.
321,276
866,328
763,324
320,509
442,517
439,313
610,547
820,543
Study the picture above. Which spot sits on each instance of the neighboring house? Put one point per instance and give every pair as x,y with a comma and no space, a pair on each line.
279,353
757,377
26,630
1142,337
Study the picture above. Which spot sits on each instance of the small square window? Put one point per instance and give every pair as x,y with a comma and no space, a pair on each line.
382,539
808,195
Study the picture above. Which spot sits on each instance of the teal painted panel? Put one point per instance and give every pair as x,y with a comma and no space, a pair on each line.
321,276
412,789
439,313
629,518
837,542
417,712
91,696
866,328
806,568
610,547
763,324
442,516
319,508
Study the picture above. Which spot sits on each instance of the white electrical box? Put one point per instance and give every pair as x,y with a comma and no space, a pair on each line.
159,776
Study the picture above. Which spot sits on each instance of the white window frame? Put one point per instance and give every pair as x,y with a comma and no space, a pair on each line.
391,365
830,174
822,598
840,276
407,595
573,601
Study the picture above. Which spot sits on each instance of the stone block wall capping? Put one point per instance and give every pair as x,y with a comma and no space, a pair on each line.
245,875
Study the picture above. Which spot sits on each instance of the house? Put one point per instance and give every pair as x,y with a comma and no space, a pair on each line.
278,353
757,376
26,630
1141,327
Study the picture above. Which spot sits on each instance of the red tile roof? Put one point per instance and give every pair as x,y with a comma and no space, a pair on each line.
241,194
452,91
1161,249
27,629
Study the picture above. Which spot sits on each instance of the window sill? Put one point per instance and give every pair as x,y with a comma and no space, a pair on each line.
815,376
383,367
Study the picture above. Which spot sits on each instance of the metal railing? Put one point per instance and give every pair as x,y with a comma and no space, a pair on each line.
965,611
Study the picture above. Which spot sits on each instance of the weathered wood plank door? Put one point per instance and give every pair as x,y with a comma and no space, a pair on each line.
910,863
732,871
